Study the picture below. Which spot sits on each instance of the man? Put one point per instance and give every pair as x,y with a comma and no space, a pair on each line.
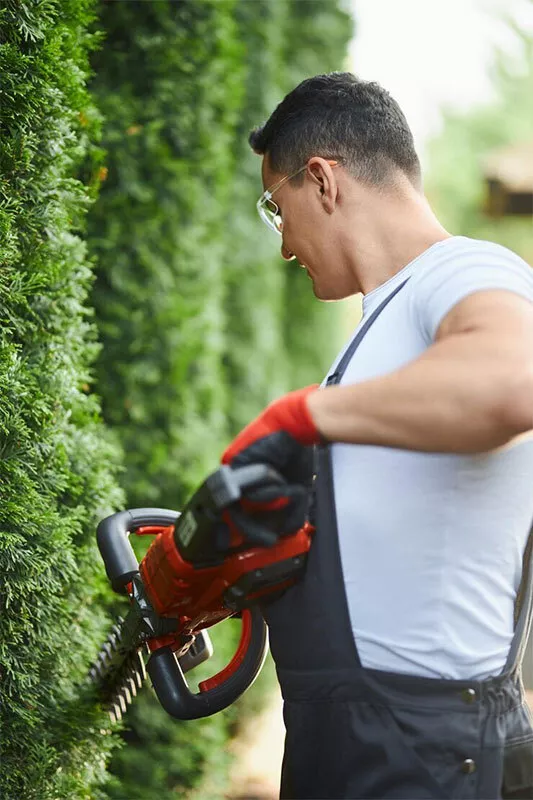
395,652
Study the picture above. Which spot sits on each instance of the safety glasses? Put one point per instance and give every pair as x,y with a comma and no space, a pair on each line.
268,210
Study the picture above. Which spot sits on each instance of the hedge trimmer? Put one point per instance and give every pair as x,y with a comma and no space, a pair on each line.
196,573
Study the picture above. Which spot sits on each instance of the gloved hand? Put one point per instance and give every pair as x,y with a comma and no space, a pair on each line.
280,436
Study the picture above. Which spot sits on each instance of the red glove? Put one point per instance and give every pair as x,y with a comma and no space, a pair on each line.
279,436
259,441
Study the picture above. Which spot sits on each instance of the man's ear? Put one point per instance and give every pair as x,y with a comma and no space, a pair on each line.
322,173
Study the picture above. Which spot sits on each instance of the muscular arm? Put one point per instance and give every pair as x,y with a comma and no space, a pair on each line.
471,391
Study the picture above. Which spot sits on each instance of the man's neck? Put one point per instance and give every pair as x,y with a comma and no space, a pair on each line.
391,236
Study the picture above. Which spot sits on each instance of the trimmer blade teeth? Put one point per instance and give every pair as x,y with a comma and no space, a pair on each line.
133,676
141,666
126,684
137,679
119,670
126,694
108,650
122,703
132,686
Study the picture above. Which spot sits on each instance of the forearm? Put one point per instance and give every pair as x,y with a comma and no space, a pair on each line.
448,400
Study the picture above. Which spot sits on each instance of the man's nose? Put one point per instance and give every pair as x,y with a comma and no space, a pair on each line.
286,254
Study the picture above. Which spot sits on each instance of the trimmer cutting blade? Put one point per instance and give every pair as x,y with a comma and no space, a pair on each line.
118,671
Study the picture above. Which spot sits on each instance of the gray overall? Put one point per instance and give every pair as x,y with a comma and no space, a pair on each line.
354,732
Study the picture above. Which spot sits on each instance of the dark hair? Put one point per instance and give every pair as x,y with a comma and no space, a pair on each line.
340,117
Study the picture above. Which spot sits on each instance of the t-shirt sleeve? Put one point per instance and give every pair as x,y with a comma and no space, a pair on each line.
440,285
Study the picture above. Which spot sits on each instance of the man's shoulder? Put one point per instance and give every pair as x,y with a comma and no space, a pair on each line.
470,246
461,266
460,254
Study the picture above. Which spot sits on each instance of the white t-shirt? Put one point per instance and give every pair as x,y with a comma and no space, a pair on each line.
431,544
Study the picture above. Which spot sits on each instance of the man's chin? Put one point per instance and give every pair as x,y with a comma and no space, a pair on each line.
326,295
321,294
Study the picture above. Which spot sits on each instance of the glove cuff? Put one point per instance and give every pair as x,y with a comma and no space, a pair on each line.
290,414
297,419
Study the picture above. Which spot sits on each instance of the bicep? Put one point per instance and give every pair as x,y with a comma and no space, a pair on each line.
497,317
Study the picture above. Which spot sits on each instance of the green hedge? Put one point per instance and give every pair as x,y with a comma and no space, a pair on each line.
57,463
168,82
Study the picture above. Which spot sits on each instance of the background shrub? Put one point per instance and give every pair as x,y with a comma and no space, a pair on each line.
200,320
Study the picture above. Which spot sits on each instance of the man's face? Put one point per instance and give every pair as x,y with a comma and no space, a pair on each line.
308,232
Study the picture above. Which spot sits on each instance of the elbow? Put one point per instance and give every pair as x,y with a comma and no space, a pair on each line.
518,403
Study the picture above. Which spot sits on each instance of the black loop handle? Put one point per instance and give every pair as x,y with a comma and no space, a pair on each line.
173,691
112,536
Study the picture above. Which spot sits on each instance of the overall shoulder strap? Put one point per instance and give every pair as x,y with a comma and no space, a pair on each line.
523,610
340,369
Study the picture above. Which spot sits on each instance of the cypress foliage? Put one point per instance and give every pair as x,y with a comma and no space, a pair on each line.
158,231
169,82
57,464
202,323
272,316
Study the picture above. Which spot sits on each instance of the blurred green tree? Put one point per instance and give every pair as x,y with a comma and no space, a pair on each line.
455,181
200,320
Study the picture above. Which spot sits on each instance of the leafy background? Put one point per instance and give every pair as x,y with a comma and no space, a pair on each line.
133,270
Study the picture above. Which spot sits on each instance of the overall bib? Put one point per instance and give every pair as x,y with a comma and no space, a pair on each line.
354,732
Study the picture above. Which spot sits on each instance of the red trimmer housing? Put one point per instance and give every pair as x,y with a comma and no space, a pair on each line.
189,581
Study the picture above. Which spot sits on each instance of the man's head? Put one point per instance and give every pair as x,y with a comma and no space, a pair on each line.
348,141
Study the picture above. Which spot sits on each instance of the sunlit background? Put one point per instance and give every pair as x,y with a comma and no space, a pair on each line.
435,54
